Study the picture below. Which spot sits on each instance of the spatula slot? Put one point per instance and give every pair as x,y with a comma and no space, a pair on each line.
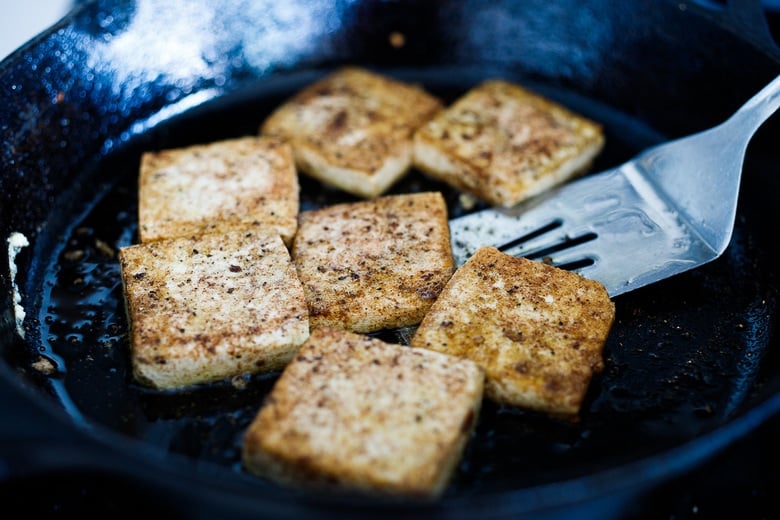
553,225
566,243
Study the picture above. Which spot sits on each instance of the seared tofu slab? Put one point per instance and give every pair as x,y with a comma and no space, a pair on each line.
372,265
502,144
207,307
247,180
360,414
537,330
353,129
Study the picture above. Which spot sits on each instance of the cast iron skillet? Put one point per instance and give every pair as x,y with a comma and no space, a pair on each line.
691,364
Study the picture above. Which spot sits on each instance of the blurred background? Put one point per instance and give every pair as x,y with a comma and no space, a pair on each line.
22,20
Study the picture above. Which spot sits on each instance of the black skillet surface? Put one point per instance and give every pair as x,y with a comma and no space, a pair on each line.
691,364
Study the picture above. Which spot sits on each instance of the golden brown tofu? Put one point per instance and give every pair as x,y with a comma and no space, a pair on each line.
360,414
372,265
503,144
207,307
353,129
537,330
243,181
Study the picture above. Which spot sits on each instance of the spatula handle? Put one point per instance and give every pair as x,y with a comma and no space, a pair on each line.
760,107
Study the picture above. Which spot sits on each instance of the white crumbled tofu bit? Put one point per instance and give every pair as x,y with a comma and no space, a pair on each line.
16,242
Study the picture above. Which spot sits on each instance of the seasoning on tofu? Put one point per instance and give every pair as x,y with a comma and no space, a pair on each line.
355,413
503,144
537,330
353,129
213,293
372,265
208,307
199,188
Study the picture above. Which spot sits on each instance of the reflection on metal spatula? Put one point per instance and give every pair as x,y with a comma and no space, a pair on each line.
668,210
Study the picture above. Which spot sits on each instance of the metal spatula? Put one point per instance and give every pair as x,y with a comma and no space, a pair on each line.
666,211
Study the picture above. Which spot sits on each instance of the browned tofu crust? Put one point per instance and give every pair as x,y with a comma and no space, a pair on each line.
208,307
537,330
357,413
353,129
243,181
372,265
503,143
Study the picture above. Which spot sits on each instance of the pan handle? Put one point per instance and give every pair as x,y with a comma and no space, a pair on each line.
746,18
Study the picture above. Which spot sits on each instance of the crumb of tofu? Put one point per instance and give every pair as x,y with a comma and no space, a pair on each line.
45,366
16,242
372,265
503,143
355,413
353,129
209,307
248,181
537,330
